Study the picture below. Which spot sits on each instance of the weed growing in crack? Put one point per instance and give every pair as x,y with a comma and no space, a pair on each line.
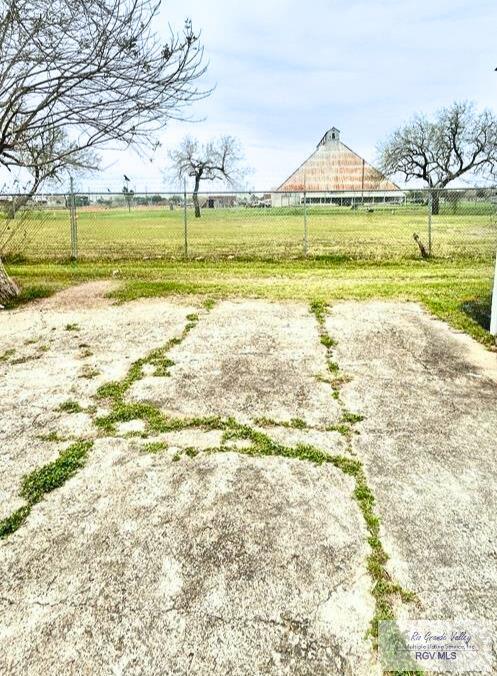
87,372
263,445
155,447
85,353
26,358
351,418
136,435
293,423
72,327
116,390
209,303
159,359
333,367
155,420
383,589
328,341
54,474
70,406
44,480
341,428
11,523
52,437
319,309
7,355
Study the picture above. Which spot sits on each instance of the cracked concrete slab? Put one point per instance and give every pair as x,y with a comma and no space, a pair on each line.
56,352
429,446
215,564
224,563
247,359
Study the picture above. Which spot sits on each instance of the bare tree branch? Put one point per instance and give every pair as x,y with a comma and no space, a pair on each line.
95,70
76,75
458,141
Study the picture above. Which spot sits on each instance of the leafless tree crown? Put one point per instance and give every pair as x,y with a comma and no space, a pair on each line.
77,74
215,160
458,141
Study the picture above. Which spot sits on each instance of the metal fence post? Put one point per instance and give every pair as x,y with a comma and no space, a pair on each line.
305,223
74,222
430,213
185,221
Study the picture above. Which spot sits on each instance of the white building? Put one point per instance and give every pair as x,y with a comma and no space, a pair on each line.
335,174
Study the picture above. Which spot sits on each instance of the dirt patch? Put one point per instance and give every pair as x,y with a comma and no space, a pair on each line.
91,295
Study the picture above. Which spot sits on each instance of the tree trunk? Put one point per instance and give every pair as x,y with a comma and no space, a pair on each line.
195,197
18,201
8,288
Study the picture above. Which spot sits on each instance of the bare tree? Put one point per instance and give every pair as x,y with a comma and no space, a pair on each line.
50,157
83,73
458,141
218,160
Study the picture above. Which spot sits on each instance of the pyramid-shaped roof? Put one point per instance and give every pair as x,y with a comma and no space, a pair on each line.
333,166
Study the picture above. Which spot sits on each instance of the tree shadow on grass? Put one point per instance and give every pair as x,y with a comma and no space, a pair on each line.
479,311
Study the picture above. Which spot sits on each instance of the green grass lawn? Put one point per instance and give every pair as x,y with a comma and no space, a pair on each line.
456,291
353,254
467,230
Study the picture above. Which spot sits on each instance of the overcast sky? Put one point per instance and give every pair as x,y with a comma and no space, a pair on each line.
286,71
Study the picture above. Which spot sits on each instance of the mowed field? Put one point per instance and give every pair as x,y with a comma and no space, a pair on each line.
465,230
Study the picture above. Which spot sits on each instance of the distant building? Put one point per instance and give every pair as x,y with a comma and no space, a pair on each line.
335,174
56,200
217,201
49,200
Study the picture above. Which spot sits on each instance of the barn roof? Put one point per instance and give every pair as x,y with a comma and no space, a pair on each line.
333,166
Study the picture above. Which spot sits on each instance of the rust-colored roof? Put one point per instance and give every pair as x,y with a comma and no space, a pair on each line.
334,167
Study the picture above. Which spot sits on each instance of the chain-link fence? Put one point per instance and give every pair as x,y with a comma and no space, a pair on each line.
251,225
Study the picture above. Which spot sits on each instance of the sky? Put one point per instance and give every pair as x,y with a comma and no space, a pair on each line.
285,71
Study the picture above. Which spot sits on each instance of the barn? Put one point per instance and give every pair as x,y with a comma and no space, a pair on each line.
335,174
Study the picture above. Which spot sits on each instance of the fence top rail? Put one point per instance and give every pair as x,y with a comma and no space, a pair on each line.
235,192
